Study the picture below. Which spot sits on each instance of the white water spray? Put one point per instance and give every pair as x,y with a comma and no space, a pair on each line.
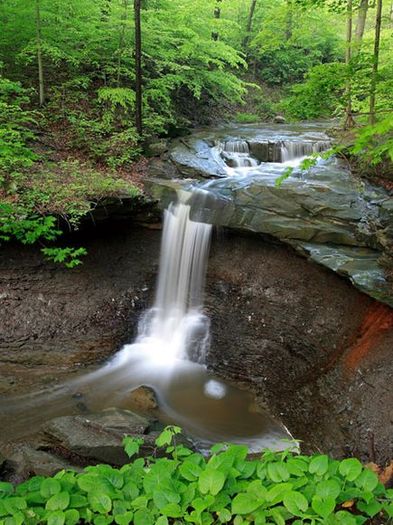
175,328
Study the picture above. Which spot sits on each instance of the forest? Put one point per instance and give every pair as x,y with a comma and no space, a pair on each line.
86,88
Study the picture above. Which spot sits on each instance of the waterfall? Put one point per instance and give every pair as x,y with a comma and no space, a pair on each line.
237,154
291,150
176,323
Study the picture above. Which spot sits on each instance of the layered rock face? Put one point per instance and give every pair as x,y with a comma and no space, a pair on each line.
324,212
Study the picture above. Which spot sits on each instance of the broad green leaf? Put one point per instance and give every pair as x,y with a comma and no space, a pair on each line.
245,503
58,501
319,465
71,517
211,481
295,502
367,480
350,468
345,518
56,518
278,472
50,487
125,519
143,517
99,502
323,506
328,489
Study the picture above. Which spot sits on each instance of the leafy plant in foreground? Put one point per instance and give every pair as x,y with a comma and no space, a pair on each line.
186,487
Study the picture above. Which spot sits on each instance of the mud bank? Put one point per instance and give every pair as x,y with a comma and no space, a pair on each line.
316,351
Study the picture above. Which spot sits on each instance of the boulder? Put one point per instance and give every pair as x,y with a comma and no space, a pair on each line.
25,461
142,399
279,119
97,437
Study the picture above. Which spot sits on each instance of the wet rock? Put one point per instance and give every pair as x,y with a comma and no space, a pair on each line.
26,461
96,437
279,119
142,399
155,149
328,215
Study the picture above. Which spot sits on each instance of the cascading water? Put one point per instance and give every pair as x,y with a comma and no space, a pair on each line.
237,154
175,326
291,150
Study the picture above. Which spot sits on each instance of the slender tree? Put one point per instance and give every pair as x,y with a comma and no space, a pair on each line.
138,67
122,34
217,15
361,24
374,75
349,121
249,23
41,82
289,20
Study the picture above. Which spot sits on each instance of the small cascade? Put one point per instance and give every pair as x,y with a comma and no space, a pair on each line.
291,150
236,154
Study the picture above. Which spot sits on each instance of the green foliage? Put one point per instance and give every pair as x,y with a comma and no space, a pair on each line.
374,144
15,154
321,95
187,487
247,118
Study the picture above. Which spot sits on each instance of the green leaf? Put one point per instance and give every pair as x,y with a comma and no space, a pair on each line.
295,502
132,445
72,517
278,472
367,480
323,506
143,517
172,510
371,509
99,502
190,470
50,487
211,481
58,501
245,503
350,468
56,518
328,489
224,515
125,519
345,518
319,465
162,520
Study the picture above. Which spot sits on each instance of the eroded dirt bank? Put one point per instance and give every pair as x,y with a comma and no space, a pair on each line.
315,350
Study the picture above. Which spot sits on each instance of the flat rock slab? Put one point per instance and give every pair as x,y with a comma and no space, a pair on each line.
97,436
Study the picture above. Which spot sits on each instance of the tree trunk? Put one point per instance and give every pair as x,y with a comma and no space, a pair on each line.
121,39
349,121
138,67
289,20
217,15
41,83
249,23
373,87
361,24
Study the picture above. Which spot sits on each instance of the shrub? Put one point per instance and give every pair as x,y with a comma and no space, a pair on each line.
187,487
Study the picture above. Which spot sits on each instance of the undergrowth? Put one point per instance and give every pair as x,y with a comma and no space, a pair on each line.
187,487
